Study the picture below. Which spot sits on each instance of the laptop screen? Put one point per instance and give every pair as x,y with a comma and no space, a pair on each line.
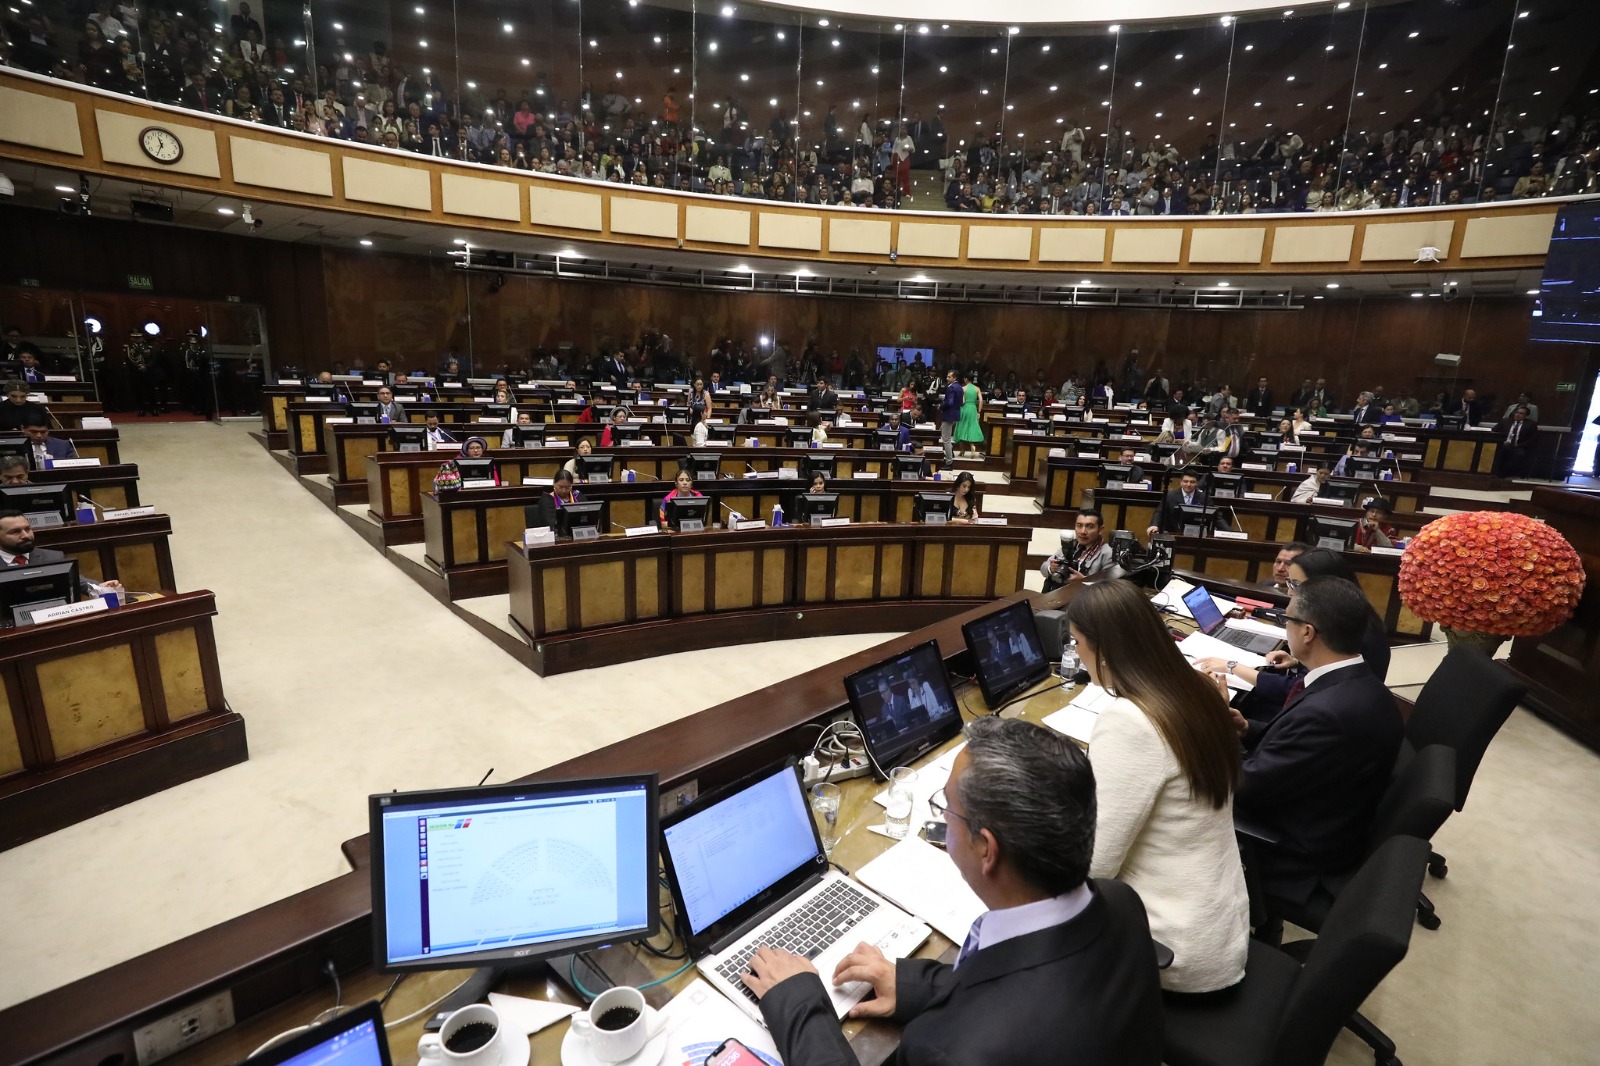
739,846
904,705
355,1038
1206,613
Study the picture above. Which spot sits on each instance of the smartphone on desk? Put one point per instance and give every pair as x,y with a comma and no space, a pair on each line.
732,1053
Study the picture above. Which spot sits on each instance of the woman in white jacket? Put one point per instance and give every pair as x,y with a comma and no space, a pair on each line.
1166,758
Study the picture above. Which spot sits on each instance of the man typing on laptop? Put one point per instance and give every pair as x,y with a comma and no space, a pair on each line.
1057,968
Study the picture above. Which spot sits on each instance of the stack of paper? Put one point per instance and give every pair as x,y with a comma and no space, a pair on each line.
920,878
1077,718
700,1018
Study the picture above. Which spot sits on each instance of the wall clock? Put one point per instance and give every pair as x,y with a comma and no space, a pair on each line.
161,145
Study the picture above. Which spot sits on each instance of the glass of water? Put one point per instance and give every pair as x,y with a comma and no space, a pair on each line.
1070,663
825,805
901,799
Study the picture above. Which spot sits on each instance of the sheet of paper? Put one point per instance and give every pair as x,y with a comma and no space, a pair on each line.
1075,722
1200,646
699,1018
921,878
1174,591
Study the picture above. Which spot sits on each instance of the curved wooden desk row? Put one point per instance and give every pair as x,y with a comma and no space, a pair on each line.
101,444
134,551
1068,481
398,481
1268,521
1248,563
468,531
616,599
102,710
64,392
114,486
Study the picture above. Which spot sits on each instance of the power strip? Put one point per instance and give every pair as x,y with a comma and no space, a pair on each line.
851,766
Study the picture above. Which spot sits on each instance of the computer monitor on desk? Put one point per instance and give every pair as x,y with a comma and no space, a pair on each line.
1006,652
44,505
408,438
1339,489
1224,486
798,436
904,706
362,413
505,875
581,519
1452,422
495,412
703,466
595,468
1198,521
321,389
476,469
354,1038
813,507
1364,467
758,413
25,589
910,468
931,507
621,432
1116,476
723,431
688,514
885,439
1335,533
18,444
529,436
812,465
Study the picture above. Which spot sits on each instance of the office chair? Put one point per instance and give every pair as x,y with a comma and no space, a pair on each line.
1415,805
1463,706
1287,1014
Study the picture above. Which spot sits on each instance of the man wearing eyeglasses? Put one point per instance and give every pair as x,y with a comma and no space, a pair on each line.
1315,772
1058,968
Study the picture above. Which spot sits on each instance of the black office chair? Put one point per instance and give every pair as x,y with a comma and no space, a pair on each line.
1463,706
1287,1014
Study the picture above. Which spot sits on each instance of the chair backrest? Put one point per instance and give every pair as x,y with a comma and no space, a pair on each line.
1463,705
1365,936
1419,799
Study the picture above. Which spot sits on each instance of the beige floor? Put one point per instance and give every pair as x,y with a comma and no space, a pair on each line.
317,635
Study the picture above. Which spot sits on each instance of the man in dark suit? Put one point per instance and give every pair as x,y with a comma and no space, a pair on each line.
824,399
17,549
388,410
1058,969
616,370
1517,435
1468,407
1259,401
1366,412
45,447
1169,516
1315,772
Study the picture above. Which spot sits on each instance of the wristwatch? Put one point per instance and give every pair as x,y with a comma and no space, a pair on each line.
1231,664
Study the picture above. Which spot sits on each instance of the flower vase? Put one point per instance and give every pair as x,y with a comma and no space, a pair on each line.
1488,643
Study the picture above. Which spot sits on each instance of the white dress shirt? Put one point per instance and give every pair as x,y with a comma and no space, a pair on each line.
1008,923
1322,671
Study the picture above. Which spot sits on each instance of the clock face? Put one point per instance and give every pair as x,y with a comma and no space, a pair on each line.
162,145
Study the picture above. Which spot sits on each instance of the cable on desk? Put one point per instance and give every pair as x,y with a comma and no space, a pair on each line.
572,975
384,999
414,1015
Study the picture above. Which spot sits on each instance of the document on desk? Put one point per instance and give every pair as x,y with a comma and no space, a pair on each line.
700,1018
1077,718
1200,646
920,878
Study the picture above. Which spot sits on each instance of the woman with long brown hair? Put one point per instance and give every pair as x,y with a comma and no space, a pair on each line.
1166,759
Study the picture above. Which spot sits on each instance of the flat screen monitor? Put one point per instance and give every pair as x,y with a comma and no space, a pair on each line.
1364,467
798,436
1115,475
581,519
885,439
362,412
1225,486
527,436
705,466
758,413
688,514
1342,490
1162,452
904,706
44,505
25,589
354,1038
910,468
321,388
476,469
408,438
1007,652
931,507
1453,422
511,873
595,468
815,506
1335,533
18,444
498,412
721,431
1039,425
677,415
1015,408
906,355
625,432
1270,439
1198,521
812,465
1568,305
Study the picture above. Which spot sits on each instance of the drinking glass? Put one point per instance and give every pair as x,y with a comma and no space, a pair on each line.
825,805
902,797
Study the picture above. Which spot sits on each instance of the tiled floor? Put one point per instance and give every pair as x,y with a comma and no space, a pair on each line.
317,636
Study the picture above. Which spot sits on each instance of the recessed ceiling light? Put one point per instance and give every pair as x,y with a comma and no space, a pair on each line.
1333,284
1414,33
224,210
65,188
1223,284
1415,295
506,27
365,243
822,22
459,241
1533,292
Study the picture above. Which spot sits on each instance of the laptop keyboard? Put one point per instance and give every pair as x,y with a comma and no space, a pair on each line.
1239,638
808,932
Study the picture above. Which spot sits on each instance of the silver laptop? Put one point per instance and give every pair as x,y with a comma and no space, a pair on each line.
746,868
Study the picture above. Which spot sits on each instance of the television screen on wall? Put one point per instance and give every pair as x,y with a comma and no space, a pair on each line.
1568,307
906,355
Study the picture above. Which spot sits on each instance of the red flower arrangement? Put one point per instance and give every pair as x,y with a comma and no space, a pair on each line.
1492,572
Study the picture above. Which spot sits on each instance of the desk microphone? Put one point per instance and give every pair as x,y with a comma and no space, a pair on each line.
1238,525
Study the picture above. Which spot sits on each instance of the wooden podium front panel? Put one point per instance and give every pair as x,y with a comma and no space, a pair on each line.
462,546
10,743
604,596
181,664
90,699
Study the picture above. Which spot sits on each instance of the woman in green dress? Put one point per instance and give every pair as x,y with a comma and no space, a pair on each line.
968,431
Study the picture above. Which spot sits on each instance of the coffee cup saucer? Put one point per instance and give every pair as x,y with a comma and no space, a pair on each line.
575,1049
516,1051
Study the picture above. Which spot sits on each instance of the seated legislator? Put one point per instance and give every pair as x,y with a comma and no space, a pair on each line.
449,475
14,470
619,417
1083,553
1059,969
1315,773
585,447
1165,758
1135,472
1311,487
437,434
562,492
16,549
1373,531
508,437
1279,581
36,424
1169,515
902,432
964,499
1360,449
18,410
1290,436
683,486
390,412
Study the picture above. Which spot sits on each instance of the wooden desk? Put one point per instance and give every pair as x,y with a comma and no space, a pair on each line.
1266,521
596,602
115,486
1562,668
134,551
105,709
101,444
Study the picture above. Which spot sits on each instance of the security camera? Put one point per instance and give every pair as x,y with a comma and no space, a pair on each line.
249,219
894,255
1449,289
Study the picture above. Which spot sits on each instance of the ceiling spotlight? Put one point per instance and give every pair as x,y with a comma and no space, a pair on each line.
727,11
1223,284
336,25
822,22
224,210
506,27
459,242
93,325
65,189
1533,292
1114,28
151,329
1333,284
365,243
1414,34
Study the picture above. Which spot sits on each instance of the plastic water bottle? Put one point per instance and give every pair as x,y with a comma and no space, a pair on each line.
1293,468
777,515
1070,663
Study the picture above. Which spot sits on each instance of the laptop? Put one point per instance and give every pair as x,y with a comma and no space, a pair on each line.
746,867
354,1038
1208,616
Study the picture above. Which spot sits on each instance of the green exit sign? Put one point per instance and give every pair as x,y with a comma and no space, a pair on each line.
141,281
905,338
1566,386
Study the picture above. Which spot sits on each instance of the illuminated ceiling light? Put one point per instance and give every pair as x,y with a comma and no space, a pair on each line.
1328,49
419,10
819,83
1249,48
994,51
527,62
1343,4
836,42
658,40
1417,294
823,23
802,272
1013,30
459,241
1258,103
420,44
1053,88
983,92
594,43
365,243
1196,91
727,11
619,73
472,85
1414,34
1227,20
740,268
1138,85
1114,28
1522,14
224,210
151,329
1085,282
781,36
1289,78
336,25
712,47
1554,69
744,77
1046,48
65,188
1223,284
898,26
1178,56
1158,115
506,27
922,29
1105,66
944,70
874,70
1333,284
1383,66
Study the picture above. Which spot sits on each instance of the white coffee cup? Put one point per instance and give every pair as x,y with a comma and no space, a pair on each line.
435,1047
614,1045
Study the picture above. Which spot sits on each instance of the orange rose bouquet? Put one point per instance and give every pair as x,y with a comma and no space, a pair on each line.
1491,572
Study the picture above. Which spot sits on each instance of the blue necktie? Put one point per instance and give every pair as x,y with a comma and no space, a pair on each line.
969,946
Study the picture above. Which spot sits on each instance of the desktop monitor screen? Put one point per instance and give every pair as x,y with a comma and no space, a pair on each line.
1006,650
44,505
904,706
1453,422
527,436
1364,467
677,415
624,432
1335,533
595,468
704,466
685,511
1115,475
497,412
931,506
476,469
511,873
362,412
25,589
885,439
758,413
1198,521
812,465
1225,486
320,388
583,514
721,431
1337,489
408,438
798,436
18,444
816,505
910,467
906,355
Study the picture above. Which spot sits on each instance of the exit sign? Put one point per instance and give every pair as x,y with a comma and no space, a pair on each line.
141,281
1566,386
905,338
